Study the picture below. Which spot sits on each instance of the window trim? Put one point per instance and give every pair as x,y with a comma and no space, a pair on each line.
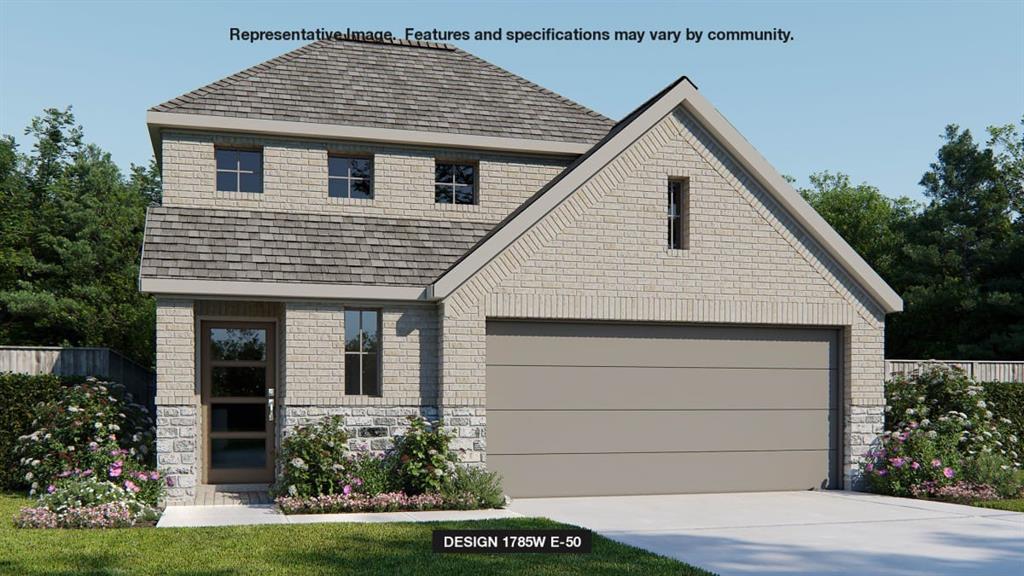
476,180
682,205
362,353
238,169
342,155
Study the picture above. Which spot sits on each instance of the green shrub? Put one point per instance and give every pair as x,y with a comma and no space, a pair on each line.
422,459
942,436
482,485
313,459
1007,399
91,430
19,396
997,471
369,474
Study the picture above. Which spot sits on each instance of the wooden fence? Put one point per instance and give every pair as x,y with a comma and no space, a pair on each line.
99,362
980,370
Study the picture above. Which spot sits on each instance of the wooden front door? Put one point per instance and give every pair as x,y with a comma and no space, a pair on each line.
238,386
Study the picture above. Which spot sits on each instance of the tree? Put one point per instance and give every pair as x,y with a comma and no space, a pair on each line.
869,221
961,273
72,227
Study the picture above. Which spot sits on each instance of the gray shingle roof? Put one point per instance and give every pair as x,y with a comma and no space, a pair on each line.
238,245
399,85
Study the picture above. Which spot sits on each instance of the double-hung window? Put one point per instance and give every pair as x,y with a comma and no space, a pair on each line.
239,170
362,352
349,177
455,183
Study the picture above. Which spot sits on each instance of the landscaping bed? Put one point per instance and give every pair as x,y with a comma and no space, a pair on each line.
420,472
947,438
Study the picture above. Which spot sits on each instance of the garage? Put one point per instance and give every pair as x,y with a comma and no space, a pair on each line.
594,409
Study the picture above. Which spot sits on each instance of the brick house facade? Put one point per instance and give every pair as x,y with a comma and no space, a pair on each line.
567,226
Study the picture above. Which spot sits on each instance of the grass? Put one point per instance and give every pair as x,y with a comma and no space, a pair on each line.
297,549
1013,504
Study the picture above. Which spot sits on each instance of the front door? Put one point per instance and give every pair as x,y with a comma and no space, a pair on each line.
238,401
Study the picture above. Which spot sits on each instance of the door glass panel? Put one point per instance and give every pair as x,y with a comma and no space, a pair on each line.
238,417
238,453
238,344
239,381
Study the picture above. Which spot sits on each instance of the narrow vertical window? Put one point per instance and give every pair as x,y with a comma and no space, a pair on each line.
362,352
678,232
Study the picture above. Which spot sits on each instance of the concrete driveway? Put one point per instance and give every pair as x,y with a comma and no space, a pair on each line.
802,532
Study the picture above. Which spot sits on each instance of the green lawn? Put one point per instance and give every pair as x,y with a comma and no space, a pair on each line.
296,549
1014,505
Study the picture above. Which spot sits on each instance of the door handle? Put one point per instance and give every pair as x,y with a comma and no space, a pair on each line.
270,404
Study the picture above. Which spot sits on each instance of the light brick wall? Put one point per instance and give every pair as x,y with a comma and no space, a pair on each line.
602,255
316,357
295,178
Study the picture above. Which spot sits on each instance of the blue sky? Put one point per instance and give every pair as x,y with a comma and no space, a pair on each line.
864,88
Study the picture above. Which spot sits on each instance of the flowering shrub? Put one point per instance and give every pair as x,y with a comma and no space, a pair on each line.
942,438
85,503
422,459
110,515
91,430
313,459
385,502
482,485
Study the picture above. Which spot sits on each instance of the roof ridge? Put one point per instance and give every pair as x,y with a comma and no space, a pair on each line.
533,85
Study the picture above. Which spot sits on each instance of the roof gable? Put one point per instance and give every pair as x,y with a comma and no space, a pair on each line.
683,94
396,85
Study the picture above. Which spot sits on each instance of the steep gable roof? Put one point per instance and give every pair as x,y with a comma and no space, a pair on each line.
682,93
395,85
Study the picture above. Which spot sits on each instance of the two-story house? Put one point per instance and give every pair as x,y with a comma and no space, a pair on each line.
384,229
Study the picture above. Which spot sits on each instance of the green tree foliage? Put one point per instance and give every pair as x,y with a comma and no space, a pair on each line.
870,221
958,260
71,229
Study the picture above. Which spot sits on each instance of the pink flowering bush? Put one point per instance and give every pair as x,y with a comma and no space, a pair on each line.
85,503
961,492
91,430
109,515
942,436
384,502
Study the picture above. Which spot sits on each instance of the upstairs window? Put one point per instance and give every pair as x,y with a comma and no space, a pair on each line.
239,170
678,213
362,352
349,177
454,183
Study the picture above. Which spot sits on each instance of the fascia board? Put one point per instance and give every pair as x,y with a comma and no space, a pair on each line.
169,120
283,290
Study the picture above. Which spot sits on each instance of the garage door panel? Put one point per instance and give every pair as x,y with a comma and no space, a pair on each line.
591,432
676,473
580,344
605,408
607,388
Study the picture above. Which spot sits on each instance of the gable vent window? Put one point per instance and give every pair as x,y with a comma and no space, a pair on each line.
455,183
678,214
349,177
362,352
239,170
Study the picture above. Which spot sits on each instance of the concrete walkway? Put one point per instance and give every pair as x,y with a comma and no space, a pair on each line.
837,533
237,515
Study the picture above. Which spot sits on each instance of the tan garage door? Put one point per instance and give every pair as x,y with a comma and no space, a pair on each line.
577,409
